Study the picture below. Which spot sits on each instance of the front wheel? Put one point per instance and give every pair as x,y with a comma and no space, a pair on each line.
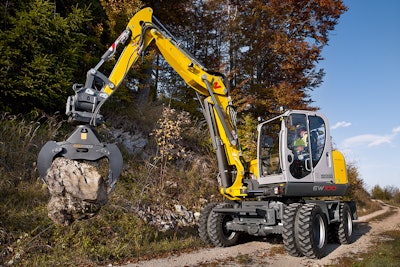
203,223
288,232
311,231
219,235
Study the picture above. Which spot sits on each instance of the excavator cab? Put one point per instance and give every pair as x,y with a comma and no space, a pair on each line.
295,152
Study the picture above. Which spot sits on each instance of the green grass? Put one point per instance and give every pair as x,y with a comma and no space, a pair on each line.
116,235
386,253
29,238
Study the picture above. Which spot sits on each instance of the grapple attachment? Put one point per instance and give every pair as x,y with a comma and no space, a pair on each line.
82,144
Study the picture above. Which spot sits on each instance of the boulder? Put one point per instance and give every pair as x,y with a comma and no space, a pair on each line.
77,190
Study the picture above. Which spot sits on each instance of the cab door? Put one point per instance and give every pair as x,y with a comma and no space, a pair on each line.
306,141
321,148
297,149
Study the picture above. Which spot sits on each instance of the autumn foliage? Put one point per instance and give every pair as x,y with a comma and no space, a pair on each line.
168,134
268,50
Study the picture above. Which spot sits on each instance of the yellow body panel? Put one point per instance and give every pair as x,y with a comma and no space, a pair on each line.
254,167
339,168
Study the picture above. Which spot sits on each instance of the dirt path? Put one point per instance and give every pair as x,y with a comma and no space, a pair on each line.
270,252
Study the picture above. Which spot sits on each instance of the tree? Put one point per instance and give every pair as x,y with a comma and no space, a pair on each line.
386,193
377,192
118,14
40,54
357,190
277,52
268,49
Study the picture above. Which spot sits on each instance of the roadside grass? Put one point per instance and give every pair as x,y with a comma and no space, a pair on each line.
29,238
366,206
386,253
116,235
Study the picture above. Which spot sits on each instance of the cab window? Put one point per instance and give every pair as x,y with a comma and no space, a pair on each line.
298,141
317,138
269,160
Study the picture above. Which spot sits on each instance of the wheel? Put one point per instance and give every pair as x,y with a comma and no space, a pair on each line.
203,225
311,231
217,232
345,227
288,232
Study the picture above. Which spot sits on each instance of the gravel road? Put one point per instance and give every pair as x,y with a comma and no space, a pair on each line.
270,252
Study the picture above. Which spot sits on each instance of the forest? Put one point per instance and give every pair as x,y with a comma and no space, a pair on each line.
269,53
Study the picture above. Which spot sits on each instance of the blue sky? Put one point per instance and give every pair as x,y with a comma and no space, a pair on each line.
361,90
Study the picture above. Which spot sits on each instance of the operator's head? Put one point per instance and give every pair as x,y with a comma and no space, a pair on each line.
301,130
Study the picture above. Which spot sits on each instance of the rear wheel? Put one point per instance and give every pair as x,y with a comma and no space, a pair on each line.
288,232
219,235
345,227
311,231
203,223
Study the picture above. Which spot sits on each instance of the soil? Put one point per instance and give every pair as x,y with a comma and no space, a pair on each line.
270,252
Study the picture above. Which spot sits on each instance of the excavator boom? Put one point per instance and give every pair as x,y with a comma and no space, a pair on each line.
84,106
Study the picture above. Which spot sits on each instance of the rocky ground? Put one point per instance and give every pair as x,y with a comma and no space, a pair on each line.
270,252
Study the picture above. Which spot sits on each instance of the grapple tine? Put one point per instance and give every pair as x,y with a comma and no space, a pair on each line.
115,161
46,157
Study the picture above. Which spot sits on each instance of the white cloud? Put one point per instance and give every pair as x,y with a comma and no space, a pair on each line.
342,124
370,140
396,130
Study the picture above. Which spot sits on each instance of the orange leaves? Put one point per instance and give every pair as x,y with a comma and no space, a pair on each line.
285,40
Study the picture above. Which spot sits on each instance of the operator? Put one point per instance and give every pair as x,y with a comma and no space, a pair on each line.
301,142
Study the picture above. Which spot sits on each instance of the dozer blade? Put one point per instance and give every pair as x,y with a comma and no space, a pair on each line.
82,144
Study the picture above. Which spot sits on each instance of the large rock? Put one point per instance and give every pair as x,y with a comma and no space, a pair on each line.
77,190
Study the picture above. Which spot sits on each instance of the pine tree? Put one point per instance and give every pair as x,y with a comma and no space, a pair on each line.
40,55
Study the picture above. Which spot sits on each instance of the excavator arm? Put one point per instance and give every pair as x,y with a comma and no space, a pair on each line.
84,106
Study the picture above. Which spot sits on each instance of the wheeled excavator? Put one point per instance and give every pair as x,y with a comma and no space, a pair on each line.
283,191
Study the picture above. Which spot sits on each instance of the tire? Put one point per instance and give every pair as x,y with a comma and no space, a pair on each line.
203,223
288,232
311,231
345,227
217,232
